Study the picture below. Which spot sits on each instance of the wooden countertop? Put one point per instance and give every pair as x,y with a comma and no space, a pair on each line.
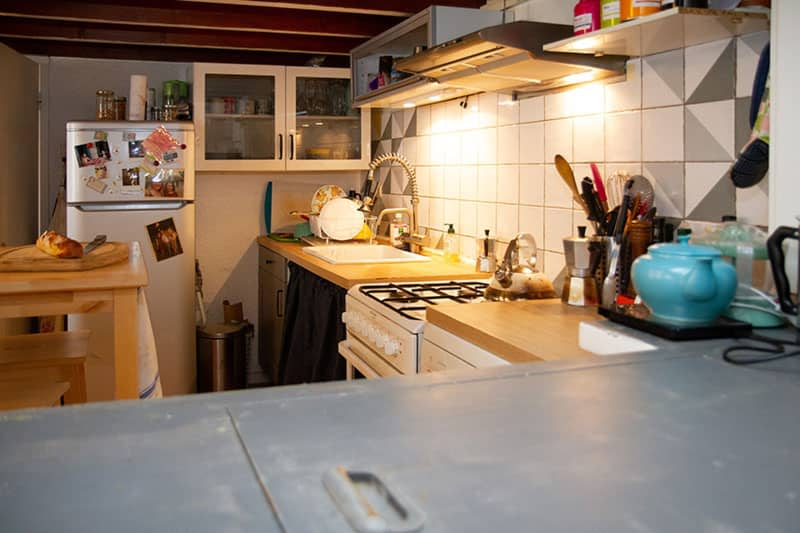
129,273
348,275
520,331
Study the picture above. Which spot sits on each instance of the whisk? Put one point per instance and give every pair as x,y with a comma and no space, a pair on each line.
615,188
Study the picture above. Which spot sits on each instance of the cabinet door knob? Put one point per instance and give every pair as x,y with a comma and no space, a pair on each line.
268,261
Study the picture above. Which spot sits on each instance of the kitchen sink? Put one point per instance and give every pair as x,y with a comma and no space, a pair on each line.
350,254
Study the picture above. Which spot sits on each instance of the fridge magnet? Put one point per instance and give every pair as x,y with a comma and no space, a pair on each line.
96,185
135,149
129,135
130,177
93,154
164,239
160,142
100,136
166,183
100,173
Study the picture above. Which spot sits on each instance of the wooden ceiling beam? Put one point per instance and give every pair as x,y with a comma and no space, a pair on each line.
203,15
389,7
166,53
188,37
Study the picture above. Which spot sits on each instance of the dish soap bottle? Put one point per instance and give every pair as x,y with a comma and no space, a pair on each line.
397,229
451,245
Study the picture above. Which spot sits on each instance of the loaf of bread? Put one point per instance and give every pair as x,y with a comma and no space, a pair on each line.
58,245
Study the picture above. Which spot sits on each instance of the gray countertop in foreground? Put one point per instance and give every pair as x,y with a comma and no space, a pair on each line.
673,440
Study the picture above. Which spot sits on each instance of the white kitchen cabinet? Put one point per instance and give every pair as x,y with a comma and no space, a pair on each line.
256,118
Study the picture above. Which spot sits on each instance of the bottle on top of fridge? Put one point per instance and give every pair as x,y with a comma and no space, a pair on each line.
586,16
609,13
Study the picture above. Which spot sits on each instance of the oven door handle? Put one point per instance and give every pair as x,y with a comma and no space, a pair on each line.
353,358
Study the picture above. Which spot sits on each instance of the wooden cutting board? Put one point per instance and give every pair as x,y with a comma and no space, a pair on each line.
28,258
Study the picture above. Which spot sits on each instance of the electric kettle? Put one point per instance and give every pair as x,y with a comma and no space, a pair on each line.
777,261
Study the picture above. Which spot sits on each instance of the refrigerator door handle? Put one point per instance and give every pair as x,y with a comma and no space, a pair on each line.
131,206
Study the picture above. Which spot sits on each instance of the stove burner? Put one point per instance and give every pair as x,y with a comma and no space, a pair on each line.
409,299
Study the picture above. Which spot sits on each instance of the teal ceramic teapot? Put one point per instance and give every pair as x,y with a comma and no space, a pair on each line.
684,283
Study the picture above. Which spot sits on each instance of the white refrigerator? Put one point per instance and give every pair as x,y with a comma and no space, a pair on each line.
134,181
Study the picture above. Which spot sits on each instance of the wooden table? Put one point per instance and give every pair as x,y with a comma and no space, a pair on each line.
111,289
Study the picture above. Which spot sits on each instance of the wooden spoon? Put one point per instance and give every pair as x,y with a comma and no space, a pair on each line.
569,178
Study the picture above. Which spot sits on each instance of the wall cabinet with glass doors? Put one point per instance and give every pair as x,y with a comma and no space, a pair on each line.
252,117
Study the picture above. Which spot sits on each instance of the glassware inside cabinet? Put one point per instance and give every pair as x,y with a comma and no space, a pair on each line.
327,126
240,117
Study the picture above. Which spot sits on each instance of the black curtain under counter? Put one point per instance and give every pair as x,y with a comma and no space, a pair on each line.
312,330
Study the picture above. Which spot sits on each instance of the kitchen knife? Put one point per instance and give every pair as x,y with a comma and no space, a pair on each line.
594,209
98,240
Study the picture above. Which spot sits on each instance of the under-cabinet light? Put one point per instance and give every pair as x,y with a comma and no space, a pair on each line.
580,77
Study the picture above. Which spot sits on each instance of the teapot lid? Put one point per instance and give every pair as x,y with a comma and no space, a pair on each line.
684,249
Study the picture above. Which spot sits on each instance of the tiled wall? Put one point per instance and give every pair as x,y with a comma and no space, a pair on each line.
679,119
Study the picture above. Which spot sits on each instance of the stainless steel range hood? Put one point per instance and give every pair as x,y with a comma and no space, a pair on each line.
509,58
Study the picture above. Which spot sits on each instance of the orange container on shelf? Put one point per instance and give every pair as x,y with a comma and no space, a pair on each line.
631,9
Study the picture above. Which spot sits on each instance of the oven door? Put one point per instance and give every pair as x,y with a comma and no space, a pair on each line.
360,357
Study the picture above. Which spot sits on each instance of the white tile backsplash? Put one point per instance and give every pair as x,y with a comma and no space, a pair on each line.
487,146
624,136
507,221
558,139
469,183
489,164
626,95
507,110
531,184
557,225
556,192
487,183
531,109
531,143
508,145
589,138
508,184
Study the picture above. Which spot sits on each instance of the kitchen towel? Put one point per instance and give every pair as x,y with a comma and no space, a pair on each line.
137,97
149,377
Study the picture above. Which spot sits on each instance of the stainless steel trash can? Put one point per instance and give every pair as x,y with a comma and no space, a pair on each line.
222,354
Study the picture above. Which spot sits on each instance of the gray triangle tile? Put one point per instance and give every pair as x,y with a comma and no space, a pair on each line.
720,200
397,124
396,144
669,67
411,130
719,82
700,144
742,127
387,130
755,41
667,179
374,148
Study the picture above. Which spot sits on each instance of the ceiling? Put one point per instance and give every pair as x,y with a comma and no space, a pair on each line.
290,32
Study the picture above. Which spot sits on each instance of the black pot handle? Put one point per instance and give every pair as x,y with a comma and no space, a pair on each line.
777,260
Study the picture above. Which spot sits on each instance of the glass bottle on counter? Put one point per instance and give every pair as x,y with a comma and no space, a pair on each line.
451,245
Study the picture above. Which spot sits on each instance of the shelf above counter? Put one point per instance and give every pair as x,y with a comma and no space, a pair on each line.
674,28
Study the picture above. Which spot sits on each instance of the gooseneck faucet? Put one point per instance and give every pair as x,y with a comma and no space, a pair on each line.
371,194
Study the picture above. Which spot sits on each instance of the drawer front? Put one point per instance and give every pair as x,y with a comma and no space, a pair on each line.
273,263
434,359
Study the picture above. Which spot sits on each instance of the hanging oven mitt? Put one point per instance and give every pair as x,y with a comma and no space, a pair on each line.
752,163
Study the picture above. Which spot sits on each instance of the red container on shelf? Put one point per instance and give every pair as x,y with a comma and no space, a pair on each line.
586,16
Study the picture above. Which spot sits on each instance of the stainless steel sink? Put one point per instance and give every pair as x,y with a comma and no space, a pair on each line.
350,254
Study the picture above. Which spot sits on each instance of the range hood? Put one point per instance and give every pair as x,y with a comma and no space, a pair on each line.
508,58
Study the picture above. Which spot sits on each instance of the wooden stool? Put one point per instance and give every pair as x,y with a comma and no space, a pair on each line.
25,394
47,358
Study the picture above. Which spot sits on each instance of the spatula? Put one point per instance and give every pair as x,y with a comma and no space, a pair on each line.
565,170
98,240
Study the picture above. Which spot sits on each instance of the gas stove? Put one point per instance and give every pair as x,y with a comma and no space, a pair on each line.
385,322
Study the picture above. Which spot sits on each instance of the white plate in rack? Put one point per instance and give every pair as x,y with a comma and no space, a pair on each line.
340,219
